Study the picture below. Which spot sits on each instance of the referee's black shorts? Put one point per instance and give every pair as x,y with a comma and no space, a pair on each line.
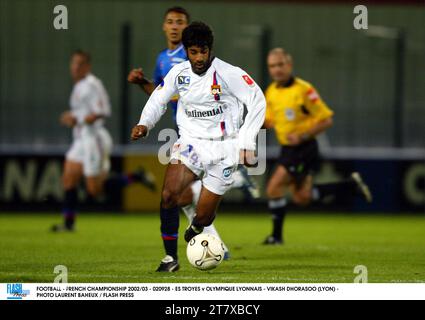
301,160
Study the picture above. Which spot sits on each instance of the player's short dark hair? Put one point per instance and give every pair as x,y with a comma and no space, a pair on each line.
84,54
178,10
198,34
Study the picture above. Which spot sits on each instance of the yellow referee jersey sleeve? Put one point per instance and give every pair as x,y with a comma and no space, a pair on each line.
316,106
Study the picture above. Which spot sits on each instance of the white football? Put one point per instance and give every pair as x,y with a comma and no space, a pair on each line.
205,252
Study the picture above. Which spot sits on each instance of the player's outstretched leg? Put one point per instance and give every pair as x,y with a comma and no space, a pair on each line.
177,177
343,189
243,181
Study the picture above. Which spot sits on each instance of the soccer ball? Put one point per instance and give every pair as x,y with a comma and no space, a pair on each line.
205,252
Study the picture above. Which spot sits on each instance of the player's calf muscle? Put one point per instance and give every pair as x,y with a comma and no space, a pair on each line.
206,219
207,207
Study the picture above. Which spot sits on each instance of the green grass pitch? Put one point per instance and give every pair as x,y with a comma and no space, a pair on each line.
128,248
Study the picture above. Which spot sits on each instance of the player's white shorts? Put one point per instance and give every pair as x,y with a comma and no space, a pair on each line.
212,161
93,151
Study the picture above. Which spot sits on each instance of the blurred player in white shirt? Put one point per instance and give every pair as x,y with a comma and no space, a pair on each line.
212,96
89,154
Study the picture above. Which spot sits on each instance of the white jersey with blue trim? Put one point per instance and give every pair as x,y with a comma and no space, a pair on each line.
89,97
210,105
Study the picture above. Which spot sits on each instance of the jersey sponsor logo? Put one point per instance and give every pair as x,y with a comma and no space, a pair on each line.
184,80
290,114
227,172
248,80
312,95
203,114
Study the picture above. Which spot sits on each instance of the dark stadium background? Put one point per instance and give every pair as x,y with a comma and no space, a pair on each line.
373,80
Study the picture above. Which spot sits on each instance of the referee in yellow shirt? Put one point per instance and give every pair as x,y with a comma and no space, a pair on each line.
298,114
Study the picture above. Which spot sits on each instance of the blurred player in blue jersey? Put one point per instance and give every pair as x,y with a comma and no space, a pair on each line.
176,19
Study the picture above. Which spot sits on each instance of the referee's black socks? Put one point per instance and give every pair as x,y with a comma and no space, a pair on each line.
278,209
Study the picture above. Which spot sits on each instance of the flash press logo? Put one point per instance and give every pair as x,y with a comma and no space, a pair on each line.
16,292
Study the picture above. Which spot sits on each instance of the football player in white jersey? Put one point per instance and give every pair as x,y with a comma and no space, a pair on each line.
89,153
175,20
213,140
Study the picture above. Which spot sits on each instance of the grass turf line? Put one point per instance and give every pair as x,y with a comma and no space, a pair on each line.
128,248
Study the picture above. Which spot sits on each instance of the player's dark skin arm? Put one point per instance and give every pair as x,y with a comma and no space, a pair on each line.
138,132
136,76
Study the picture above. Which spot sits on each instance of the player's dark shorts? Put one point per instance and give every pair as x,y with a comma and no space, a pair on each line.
301,160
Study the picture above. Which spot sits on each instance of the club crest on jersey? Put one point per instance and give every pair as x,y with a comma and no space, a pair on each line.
185,80
215,89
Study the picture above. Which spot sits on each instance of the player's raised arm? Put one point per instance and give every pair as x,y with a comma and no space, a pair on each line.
137,76
156,106
249,93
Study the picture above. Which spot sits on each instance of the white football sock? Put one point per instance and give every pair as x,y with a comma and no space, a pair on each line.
189,212
196,191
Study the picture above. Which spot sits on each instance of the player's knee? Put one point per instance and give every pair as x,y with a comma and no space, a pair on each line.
301,198
169,199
